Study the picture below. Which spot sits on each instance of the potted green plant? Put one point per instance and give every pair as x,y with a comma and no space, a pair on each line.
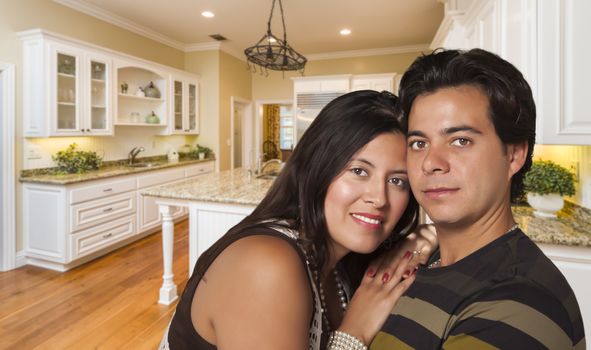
546,183
72,160
202,151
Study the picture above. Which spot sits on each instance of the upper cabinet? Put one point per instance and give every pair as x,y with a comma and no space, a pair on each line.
378,82
66,88
546,41
184,105
71,88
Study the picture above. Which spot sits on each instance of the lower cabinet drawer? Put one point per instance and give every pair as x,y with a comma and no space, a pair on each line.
91,213
102,236
200,169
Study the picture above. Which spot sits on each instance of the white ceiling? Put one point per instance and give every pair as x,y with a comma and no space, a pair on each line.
312,25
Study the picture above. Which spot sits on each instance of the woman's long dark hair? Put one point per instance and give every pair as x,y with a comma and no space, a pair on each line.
297,196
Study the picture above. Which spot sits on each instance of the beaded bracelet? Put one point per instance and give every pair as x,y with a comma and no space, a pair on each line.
343,341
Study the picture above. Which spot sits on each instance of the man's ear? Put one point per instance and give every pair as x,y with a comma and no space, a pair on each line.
517,154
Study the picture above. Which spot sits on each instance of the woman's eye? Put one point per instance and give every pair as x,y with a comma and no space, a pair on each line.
462,142
416,145
359,172
398,182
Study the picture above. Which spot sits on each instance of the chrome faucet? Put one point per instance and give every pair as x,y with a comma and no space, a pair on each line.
270,161
133,153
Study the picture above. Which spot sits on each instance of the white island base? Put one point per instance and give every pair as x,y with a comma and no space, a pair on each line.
208,222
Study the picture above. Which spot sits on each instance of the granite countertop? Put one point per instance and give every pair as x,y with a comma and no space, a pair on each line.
109,169
572,227
229,186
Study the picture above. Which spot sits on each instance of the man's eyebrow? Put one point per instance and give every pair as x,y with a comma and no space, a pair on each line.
446,131
416,133
454,129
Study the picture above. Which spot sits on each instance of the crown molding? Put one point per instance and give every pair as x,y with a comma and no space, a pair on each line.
119,21
212,45
370,52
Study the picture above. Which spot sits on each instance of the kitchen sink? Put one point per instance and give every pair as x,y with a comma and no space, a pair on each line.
143,165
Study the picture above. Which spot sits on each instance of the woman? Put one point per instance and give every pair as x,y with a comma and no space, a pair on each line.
281,278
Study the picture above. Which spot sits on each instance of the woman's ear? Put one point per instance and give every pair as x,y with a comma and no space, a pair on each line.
517,154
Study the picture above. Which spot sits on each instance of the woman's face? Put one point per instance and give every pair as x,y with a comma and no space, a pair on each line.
365,201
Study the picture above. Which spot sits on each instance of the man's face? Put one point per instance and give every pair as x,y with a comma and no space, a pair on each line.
457,166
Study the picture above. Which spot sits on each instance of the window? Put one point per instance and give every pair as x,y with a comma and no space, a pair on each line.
286,129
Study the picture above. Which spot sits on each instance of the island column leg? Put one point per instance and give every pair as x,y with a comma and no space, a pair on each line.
168,292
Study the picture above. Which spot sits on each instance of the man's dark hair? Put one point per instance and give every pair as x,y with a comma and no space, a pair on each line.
511,105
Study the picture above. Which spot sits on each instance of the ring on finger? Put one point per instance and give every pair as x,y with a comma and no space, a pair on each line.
416,253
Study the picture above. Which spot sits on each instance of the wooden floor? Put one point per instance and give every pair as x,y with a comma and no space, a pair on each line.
108,303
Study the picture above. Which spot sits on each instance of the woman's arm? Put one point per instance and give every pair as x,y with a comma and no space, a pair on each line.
256,295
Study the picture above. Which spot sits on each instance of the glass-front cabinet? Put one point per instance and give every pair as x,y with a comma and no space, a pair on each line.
81,95
185,97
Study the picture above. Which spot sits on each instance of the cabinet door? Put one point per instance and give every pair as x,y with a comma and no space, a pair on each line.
178,97
65,94
97,114
192,107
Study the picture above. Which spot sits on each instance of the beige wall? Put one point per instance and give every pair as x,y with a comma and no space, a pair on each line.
207,65
235,81
19,15
280,86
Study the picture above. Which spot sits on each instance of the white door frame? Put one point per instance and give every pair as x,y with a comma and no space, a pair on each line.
259,120
246,129
8,186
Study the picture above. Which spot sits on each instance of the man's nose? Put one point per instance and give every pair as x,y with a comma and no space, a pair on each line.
435,161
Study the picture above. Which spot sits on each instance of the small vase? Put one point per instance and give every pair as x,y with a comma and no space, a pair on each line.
201,155
547,205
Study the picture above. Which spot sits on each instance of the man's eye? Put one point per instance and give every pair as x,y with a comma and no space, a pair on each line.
416,145
462,142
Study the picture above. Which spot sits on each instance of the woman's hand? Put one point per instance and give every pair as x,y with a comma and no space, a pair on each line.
375,298
421,243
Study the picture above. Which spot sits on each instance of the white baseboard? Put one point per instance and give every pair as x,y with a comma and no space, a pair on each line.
21,259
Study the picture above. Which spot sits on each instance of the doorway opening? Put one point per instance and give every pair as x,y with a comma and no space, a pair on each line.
275,130
241,133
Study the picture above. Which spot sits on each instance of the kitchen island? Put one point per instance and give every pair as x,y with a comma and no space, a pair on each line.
218,201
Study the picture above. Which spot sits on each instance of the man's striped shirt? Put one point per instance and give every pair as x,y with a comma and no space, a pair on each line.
507,295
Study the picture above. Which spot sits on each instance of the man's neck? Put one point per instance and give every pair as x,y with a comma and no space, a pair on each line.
457,241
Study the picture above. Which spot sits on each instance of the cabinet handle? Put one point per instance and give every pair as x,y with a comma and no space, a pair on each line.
107,210
108,235
88,130
107,190
82,130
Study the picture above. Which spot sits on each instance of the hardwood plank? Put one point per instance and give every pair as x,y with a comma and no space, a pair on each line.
108,303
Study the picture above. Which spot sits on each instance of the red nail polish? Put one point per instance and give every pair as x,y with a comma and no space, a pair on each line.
370,272
385,277
406,273
407,255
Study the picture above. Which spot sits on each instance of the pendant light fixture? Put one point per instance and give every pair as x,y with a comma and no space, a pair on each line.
273,53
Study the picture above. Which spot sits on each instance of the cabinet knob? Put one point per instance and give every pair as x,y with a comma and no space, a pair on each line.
107,210
88,130
107,190
108,235
82,130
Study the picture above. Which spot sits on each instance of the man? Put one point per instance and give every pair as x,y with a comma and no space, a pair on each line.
471,132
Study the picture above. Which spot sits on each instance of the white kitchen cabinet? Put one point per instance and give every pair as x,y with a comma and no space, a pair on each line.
66,88
132,107
184,105
547,42
148,215
377,82
322,84
575,264
66,225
